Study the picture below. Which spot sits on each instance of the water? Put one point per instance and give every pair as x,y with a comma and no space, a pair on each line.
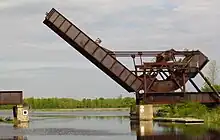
100,125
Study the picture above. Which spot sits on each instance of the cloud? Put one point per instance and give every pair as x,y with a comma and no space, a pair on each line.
29,48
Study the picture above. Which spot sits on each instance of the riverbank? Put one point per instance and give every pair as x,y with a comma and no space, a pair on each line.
211,116
6,120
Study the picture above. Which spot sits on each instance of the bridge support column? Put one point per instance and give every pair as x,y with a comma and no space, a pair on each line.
142,113
21,118
145,112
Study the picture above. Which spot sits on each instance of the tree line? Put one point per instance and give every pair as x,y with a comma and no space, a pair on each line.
69,103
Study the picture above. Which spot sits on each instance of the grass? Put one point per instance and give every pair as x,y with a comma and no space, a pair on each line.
2,120
210,116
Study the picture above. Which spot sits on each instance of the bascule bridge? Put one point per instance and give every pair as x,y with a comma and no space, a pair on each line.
161,81
153,82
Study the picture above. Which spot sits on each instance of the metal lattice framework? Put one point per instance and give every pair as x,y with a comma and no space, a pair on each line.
144,79
169,72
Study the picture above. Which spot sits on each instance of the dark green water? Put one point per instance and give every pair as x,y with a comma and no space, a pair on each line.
87,125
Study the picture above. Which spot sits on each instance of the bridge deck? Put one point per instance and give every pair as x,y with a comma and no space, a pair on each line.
178,97
11,97
92,51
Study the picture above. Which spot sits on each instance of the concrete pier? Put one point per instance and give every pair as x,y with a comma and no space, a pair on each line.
142,113
21,118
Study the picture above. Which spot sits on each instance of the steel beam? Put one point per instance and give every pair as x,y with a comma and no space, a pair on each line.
149,53
11,97
179,97
96,54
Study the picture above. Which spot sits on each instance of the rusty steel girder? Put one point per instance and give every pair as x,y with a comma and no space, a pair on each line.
166,74
173,73
180,97
11,97
93,51
169,73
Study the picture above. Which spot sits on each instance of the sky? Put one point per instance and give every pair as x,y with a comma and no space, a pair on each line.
34,59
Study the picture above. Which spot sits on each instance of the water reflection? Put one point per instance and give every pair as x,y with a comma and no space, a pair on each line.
144,131
85,117
107,127
210,136
21,125
14,138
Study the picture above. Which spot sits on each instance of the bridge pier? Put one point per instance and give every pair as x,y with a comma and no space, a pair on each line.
20,109
142,112
20,114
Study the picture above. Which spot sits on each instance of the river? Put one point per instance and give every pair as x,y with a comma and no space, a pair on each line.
99,125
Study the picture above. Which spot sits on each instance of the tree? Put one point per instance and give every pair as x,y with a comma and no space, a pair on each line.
206,88
212,76
213,72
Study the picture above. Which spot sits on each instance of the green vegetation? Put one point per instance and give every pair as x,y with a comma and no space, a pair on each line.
211,116
194,110
212,75
68,103
2,120
206,88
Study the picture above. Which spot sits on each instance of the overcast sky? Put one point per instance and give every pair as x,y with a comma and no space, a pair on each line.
34,59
